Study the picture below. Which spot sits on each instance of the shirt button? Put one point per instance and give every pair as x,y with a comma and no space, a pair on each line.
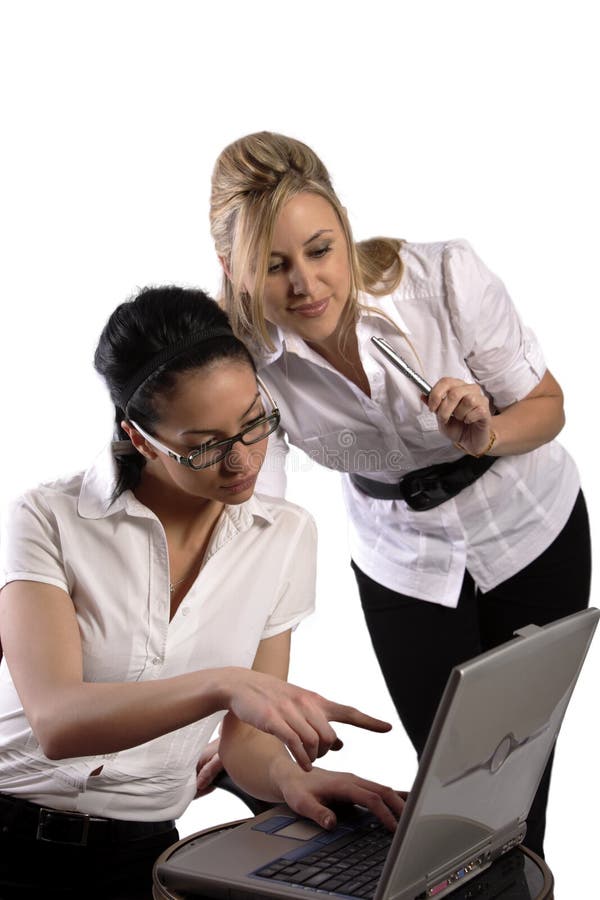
156,661
185,611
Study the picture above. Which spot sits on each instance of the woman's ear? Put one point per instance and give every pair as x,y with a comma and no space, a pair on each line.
140,443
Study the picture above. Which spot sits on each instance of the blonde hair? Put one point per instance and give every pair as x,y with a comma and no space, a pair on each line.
253,178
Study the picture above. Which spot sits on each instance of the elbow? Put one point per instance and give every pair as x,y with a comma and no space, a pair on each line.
55,739
559,417
52,743
55,747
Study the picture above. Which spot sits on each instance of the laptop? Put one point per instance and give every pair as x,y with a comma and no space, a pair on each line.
486,752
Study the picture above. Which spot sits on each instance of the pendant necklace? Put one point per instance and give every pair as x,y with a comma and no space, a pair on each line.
174,584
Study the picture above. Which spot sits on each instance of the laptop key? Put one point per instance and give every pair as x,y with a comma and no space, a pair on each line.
335,883
366,893
269,871
351,887
289,871
302,875
317,880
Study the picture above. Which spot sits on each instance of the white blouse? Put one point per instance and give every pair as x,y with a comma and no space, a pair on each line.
459,321
111,558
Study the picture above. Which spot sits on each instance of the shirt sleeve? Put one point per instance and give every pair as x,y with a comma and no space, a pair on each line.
30,544
272,479
296,599
503,355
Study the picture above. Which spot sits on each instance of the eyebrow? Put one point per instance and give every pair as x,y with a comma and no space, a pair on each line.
311,238
216,430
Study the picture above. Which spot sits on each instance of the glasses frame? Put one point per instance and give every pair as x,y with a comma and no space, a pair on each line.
274,417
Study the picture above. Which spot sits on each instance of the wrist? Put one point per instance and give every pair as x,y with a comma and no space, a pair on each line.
223,685
493,438
282,770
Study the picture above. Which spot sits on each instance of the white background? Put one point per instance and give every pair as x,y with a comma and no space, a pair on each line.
437,120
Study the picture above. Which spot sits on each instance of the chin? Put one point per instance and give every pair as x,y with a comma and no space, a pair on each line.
317,331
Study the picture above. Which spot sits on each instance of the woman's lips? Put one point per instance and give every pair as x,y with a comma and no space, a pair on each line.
311,309
239,486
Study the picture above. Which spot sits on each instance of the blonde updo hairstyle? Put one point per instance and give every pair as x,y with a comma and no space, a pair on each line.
254,177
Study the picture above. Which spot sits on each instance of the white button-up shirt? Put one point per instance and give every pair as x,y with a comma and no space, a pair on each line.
257,580
459,321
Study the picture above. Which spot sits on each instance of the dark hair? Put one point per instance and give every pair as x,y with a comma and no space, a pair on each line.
142,328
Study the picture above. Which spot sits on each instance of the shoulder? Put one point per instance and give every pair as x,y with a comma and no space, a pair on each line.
427,266
282,510
284,515
35,526
47,500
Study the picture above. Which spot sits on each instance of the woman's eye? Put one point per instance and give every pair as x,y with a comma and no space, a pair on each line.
321,251
255,419
202,447
274,267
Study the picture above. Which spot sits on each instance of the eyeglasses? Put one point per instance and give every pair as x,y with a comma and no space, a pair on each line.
214,451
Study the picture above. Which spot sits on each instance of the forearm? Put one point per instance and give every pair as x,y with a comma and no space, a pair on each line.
81,719
257,762
527,424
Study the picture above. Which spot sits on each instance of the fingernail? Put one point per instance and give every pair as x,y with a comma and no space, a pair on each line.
328,822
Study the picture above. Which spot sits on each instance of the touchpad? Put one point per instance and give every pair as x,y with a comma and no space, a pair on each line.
300,830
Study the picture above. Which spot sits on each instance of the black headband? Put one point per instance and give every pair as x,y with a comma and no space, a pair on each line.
164,356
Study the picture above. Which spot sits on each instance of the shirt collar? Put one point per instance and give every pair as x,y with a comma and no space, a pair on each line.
98,486
99,483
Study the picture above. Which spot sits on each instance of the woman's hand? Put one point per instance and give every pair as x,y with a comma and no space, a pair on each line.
463,414
209,765
309,793
297,717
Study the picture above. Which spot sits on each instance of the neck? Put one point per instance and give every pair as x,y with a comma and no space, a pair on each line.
183,517
341,352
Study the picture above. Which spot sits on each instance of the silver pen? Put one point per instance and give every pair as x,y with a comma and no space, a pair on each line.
388,351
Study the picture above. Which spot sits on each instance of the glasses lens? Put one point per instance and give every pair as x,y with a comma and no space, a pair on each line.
201,459
208,456
261,429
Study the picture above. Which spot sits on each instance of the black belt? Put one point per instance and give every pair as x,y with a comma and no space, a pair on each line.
28,820
426,488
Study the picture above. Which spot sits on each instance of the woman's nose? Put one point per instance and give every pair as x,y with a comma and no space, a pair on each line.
237,458
300,281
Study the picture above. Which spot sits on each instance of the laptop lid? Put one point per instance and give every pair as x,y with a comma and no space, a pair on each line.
486,752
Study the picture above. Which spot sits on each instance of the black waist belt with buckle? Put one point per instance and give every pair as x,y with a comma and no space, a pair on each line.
28,820
426,488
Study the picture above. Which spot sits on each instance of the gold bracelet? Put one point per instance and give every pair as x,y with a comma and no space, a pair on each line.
491,443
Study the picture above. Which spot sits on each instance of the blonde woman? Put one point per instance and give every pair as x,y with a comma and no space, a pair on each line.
467,519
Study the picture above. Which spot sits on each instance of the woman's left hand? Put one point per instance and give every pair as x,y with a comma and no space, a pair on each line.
308,794
463,413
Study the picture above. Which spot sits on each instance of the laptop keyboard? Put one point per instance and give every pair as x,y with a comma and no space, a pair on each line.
349,863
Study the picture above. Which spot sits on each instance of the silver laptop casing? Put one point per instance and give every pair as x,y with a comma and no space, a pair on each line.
487,749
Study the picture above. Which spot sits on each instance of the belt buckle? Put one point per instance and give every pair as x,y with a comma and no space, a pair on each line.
424,492
45,820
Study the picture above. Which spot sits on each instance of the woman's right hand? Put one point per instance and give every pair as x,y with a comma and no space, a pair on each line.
297,717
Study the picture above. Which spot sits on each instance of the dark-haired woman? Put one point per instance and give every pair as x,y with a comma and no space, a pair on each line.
143,598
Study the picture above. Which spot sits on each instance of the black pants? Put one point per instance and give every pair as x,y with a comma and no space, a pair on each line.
417,643
36,869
